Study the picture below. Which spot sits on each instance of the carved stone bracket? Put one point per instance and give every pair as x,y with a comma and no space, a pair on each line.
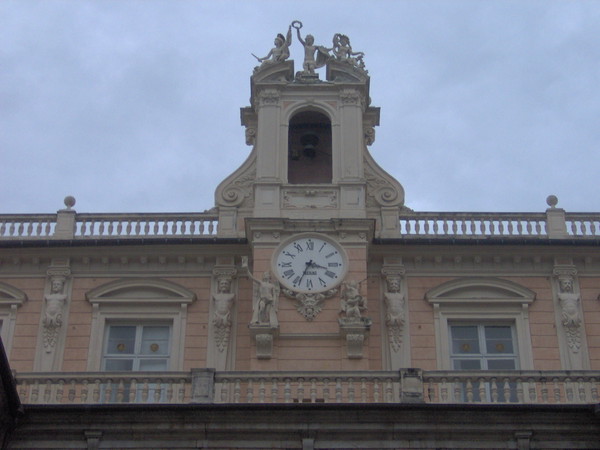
263,335
309,305
354,331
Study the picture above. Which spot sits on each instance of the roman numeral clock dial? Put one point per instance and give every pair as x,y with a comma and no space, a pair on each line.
310,263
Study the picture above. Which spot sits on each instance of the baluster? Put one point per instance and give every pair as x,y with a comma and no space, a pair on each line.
2,228
313,390
538,228
506,390
326,390
236,391
529,227
435,227
520,396
155,228
350,390
261,391
457,391
482,393
35,391
224,390
569,390
300,390
445,224
110,228
96,391
201,227
23,391
181,396
146,228
274,391
556,390
133,391
494,390
107,391
455,227
165,227
363,390
510,227
444,391
157,391
101,228
338,390
469,391
84,391
119,228
544,390
170,392
594,390
376,393
250,392
426,226
145,391
417,227
463,227
59,391
47,391
287,391
581,389
20,232
389,390
532,390
38,228
472,226
430,391
573,228
519,226
138,227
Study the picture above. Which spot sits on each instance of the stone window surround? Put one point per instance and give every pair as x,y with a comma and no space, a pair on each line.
479,300
139,301
10,300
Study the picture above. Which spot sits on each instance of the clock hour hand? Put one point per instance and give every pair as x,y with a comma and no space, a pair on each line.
309,264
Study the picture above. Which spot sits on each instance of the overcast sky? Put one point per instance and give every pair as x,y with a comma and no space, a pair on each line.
133,106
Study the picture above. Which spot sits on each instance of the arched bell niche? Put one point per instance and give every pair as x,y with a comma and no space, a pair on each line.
309,148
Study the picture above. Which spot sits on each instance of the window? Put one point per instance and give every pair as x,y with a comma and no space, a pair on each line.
131,347
483,347
138,325
486,322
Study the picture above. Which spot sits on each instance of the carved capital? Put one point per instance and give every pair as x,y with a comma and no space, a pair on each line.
268,97
350,97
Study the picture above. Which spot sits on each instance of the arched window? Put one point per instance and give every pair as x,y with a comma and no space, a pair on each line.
309,149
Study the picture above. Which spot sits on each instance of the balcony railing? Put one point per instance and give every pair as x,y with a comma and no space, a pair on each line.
410,385
430,225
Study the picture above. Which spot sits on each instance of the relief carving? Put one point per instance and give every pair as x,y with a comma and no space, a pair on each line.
353,305
309,305
394,313
55,302
224,300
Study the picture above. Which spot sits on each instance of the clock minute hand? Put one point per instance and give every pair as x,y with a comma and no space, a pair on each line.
308,266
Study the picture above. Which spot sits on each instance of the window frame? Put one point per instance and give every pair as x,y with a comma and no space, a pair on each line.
139,300
137,355
478,300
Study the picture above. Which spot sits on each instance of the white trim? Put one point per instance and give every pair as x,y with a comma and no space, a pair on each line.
139,300
479,300
11,299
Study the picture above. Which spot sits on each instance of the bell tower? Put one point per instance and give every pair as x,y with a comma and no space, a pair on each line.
310,199
309,141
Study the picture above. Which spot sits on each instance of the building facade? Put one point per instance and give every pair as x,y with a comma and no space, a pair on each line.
310,308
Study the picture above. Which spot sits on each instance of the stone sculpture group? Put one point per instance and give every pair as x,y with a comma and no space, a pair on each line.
315,56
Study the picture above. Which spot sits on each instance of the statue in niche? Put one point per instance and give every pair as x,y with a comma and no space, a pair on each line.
310,50
53,316
570,317
353,304
265,301
394,315
342,50
280,52
223,300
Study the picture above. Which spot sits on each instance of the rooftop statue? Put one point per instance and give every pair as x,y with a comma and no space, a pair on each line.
315,56
342,51
281,51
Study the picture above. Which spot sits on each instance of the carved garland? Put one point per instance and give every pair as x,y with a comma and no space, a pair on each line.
309,305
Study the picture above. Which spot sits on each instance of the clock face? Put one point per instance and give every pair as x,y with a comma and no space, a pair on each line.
310,263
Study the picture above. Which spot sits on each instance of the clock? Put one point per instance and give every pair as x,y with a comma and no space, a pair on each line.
310,263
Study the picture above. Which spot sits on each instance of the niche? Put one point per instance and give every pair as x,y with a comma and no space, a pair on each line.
309,149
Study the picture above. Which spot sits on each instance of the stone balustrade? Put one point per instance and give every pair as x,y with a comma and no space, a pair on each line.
429,225
404,386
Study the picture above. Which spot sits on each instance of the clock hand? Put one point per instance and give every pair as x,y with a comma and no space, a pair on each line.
308,266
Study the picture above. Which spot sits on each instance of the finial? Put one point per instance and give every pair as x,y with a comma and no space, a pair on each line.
551,201
69,201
